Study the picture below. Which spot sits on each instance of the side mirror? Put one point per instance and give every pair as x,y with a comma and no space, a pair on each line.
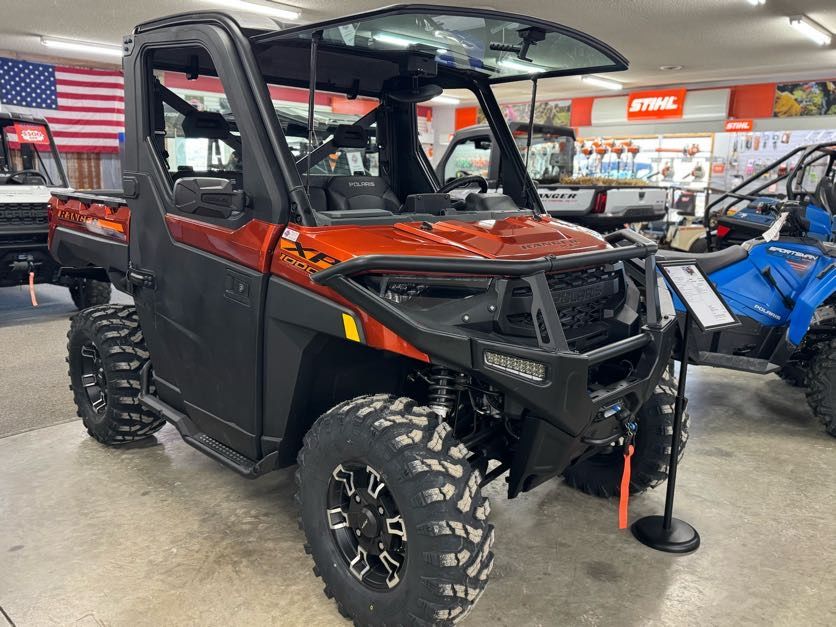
205,196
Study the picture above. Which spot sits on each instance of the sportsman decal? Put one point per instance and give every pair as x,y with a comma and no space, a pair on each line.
797,260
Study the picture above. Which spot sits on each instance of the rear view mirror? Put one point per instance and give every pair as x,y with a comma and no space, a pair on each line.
205,196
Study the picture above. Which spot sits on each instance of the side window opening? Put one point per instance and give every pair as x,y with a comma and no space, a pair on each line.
194,130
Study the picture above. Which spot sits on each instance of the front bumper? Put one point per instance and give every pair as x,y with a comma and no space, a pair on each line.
561,414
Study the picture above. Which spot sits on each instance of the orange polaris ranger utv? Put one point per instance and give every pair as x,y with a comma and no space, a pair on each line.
309,293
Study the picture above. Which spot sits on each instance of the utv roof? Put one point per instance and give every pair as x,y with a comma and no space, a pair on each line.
485,44
21,117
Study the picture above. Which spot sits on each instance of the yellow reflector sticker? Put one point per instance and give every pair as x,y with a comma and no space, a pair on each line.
350,326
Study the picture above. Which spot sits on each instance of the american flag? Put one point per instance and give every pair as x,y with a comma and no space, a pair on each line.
85,108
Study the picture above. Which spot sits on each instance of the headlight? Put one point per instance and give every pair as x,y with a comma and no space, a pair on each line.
424,291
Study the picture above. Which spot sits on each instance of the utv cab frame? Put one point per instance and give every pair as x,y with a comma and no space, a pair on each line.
402,346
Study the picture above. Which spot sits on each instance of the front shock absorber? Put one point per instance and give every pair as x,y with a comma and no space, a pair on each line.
442,394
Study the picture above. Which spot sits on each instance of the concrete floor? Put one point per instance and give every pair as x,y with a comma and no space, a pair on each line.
158,534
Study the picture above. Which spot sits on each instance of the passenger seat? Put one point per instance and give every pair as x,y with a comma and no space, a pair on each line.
360,196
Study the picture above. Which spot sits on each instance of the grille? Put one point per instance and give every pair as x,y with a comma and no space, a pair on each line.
581,297
584,300
23,214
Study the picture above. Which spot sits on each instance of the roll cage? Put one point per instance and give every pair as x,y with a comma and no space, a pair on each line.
780,171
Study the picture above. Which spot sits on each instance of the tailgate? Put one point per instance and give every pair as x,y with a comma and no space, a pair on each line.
640,203
564,201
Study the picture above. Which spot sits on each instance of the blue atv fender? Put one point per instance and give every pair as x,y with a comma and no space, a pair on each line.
817,292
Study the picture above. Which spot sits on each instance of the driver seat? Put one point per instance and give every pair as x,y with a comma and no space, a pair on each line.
708,262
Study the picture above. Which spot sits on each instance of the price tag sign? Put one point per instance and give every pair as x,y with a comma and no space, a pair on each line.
697,293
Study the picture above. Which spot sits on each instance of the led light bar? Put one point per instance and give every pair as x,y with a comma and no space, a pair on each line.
526,368
605,83
756,3
811,30
111,50
261,9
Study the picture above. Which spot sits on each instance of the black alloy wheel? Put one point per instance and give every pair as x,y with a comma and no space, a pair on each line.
93,377
366,525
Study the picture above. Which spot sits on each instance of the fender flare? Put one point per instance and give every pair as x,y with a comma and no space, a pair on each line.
813,296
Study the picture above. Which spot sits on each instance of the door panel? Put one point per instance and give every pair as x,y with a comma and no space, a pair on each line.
203,317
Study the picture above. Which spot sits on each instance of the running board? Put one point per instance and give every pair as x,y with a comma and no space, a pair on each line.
195,438
736,362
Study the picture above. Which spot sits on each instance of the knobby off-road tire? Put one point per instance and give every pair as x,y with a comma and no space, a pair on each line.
600,475
821,385
447,540
89,293
793,375
106,352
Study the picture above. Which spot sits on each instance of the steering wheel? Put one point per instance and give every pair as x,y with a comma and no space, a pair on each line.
19,173
465,181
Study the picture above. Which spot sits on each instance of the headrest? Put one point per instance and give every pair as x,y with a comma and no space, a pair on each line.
205,124
350,136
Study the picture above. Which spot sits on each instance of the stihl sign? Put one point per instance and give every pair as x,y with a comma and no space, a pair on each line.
656,105
739,126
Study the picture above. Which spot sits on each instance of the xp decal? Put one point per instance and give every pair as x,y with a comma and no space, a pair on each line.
305,258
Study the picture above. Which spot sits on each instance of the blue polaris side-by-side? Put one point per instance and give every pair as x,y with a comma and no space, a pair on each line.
805,174
784,294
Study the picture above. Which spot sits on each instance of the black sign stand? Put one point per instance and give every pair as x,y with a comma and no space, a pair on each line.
666,533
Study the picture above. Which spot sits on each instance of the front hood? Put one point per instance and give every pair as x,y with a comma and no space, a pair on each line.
519,237
511,238
30,194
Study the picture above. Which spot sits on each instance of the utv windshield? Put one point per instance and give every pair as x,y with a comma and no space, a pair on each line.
385,68
500,47
28,156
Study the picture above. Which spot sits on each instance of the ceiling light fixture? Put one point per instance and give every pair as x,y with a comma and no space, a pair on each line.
394,40
605,83
261,9
756,3
811,30
520,66
445,100
88,47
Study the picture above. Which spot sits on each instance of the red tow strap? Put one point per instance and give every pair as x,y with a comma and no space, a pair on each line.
624,499
32,289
